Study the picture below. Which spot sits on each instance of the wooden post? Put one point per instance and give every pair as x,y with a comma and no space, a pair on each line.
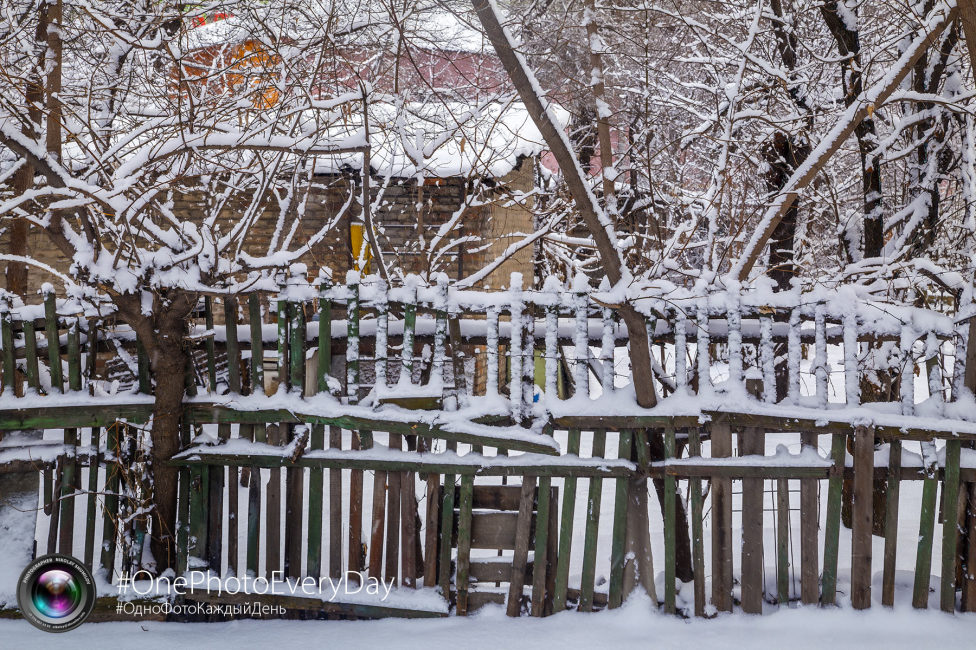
697,534
862,517
752,442
891,523
624,447
809,531
566,527
721,522
950,529
783,541
523,531
592,527
670,533
464,543
832,530
926,527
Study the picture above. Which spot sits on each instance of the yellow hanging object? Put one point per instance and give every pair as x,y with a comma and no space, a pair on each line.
359,247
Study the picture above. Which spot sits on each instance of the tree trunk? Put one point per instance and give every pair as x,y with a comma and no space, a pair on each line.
168,363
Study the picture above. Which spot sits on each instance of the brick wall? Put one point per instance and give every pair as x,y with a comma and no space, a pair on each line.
398,219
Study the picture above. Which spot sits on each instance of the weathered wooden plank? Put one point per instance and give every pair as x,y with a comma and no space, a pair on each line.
273,510
464,544
447,525
9,354
315,497
891,524
335,508
809,527
432,529
617,550
408,529
670,527
832,527
541,559
783,541
926,527
950,526
110,505
697,532
752,441
521,553
377,525
591,533
721,522
862,520
393,515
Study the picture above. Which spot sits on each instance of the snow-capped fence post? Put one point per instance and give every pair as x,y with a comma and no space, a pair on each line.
703,356
581,370
670,531
439,360
491,352
607,350
767,357
794,353
852,387
566,528
820,358
551,290
734,320
381,352
517,342
210,345
680,351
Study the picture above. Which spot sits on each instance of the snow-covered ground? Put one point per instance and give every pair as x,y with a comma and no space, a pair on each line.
631,626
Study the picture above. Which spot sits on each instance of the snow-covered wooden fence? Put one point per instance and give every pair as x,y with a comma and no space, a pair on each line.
376,382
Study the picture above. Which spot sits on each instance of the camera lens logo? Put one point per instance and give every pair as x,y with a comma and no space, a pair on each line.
56,593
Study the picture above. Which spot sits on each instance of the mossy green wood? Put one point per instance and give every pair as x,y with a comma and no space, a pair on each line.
30,349
9,354
447,525
540,558
950,525
257,343
926,530
53,342
832,528
624,447
566,528
591,535
670,546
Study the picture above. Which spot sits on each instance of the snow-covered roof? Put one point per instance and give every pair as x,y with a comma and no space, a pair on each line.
442,140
